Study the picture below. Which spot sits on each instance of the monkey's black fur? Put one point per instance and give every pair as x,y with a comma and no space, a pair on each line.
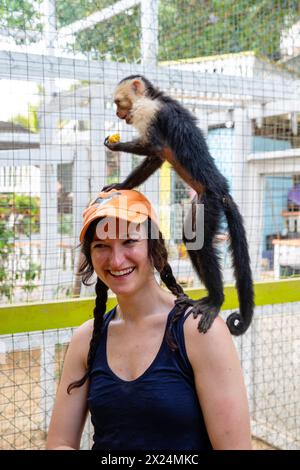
174,127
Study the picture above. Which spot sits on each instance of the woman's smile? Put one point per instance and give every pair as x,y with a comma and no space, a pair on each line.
122,273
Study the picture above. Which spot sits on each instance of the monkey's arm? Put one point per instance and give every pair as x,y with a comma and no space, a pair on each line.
136,146
138,174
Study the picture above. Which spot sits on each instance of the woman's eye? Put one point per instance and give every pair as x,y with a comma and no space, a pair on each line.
131,241
99,245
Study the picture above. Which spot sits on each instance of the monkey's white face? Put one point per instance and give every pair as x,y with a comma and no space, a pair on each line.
124,106
134,106
125,96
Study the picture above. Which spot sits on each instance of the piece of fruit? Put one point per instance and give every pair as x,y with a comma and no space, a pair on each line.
114,138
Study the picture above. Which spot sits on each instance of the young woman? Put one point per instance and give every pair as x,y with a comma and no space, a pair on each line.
150,380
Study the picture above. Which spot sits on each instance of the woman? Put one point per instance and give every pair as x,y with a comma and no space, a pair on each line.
149,378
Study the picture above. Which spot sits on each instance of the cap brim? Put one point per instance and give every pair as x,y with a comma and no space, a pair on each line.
119,213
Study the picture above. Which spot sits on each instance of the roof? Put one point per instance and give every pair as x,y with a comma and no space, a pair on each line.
280,65
195,60
10,138
6,126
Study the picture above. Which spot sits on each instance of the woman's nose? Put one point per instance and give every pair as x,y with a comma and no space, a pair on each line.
116,258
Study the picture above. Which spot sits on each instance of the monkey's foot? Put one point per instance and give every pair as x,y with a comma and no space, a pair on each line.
208,312
184,301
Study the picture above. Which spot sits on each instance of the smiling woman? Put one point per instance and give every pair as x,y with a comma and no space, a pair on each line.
122,263
148,378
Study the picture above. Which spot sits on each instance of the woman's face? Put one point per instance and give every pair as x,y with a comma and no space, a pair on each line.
121,261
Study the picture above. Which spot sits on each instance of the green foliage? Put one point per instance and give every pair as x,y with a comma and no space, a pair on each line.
65,226
26,210
17,271
221,27
21,14
21,272
30,121
31,274
114,39
187,28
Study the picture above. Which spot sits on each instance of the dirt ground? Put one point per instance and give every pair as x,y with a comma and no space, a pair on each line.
261,445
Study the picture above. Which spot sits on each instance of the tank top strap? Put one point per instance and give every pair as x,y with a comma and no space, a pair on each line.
108,316
177,330
101,346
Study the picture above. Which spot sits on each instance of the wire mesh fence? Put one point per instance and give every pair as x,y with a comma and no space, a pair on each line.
31,364
30,369
236,66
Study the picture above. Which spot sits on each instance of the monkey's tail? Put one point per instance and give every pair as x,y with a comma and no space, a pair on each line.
238,322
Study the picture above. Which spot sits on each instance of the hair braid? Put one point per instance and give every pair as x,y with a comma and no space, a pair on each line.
166,274
99,311
168,278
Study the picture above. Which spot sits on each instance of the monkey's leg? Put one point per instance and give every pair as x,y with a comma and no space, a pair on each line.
207,265
138,175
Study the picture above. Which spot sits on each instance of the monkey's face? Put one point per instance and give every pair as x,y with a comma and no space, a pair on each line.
125,97
124,106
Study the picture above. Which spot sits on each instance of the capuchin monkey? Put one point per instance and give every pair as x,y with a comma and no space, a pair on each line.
168,131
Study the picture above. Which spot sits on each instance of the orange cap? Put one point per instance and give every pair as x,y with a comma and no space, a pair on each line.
126,204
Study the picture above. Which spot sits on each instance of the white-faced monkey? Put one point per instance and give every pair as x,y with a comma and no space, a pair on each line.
168,131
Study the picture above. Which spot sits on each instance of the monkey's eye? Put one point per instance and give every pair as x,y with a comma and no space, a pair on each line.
123,104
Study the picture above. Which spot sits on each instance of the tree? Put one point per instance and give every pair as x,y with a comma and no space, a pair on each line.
17,271
23,15
115,39
187,28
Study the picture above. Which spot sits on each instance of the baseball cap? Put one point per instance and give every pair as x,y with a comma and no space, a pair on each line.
125,204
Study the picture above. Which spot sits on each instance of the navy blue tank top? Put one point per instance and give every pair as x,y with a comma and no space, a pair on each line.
157,411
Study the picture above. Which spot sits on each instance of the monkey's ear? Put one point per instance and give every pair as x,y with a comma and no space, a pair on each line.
138,87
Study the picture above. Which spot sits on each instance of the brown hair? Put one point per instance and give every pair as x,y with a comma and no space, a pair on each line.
158,256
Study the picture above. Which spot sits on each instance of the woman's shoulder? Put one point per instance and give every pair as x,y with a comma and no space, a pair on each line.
209,345
82,337
80,341
84,331
218,329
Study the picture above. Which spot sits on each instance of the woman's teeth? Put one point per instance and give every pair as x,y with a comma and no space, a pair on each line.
122,273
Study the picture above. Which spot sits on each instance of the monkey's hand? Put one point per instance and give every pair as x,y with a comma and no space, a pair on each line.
111,144
112,186
207,310
203,308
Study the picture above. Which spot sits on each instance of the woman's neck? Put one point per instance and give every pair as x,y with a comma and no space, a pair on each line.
148,301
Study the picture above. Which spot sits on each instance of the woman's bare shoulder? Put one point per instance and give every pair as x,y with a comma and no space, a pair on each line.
210,345
217,330
84,331
81,338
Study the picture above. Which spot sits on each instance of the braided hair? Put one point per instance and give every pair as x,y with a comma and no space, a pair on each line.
158,255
